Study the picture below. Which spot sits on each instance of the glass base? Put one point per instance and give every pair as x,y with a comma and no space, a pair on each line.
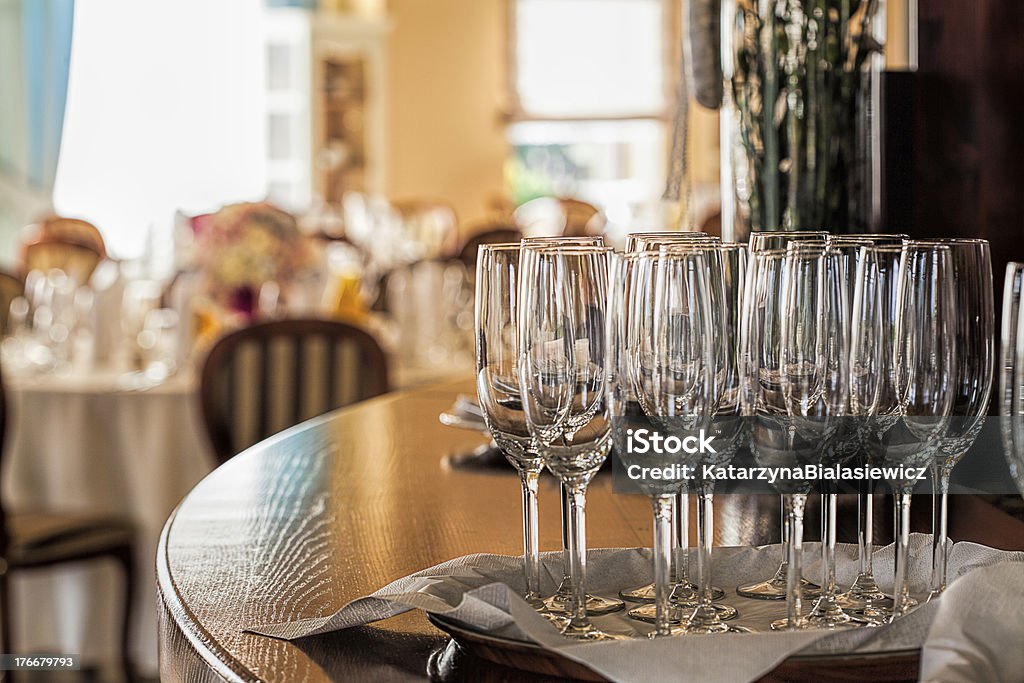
826,614
864,593
678,613
561,603
877,614
535,601
719,627
775,587
783,624
687,591
559,621
588,632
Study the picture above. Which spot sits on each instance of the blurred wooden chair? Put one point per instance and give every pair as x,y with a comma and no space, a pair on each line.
44,254
11,287
565,216
433,222
493,233
75,231
270,376
33,540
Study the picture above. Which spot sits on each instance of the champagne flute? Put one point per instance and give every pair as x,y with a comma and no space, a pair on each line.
562,346
725,265
1011,372
653,241
628,271
684,590
559,603
923,353
497,381
975,351
814,380
1013,290
864,589
773,588
726,278
774,441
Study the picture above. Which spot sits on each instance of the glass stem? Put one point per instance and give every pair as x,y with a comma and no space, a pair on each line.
578,554
531,543
566,559
828,545
682,524
784,516
795,517
940,483
705,538
901,592
866,530
674,530
663,513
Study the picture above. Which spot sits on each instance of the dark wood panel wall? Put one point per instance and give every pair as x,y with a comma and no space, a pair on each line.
964,176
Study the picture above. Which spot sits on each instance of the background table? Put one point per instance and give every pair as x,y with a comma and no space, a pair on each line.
87,443
340,506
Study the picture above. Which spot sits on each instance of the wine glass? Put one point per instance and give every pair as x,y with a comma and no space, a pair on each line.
497,386
629,271
559,603
773,588
923,363
653,241
975,352
1011,372
1013,289
815,383
864,589
562,345
726,265
683,590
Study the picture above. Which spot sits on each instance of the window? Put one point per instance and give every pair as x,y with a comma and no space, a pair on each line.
591,83
165,111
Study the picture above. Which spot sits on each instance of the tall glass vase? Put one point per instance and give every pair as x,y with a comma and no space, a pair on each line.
798,115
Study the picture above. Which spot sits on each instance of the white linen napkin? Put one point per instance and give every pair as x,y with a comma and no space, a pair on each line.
482,591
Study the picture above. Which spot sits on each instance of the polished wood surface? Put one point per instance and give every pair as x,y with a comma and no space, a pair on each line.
336,508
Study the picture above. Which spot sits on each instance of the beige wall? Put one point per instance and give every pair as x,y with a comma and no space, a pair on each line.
446,71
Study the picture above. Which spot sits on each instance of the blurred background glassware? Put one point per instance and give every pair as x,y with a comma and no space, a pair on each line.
975,367
753,313
158,343
498,391
562,323
140,297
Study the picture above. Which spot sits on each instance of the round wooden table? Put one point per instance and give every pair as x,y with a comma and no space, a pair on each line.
335,508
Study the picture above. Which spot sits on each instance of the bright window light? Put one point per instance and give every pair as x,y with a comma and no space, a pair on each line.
590,58
165,111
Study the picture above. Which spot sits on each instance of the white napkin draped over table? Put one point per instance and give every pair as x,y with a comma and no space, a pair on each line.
977,626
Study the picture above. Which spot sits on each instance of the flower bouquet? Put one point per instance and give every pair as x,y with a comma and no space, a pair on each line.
244,246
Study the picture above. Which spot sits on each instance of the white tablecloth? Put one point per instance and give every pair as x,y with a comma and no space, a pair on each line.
90,444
